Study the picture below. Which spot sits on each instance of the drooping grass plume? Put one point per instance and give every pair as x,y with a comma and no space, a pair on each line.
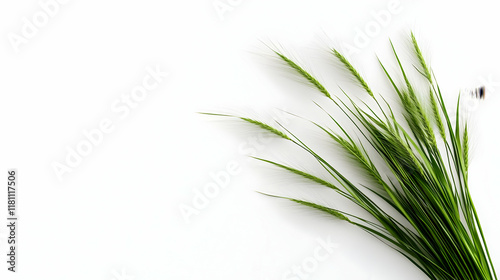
352,71
260,124
313,81
436,226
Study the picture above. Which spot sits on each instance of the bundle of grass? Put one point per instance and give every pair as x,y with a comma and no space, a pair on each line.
424,153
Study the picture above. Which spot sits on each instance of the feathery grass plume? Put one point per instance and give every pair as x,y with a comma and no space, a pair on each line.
301,173
437,227
425,70
437,116
266,127
353,71
260,124
313,81
466,147
336,213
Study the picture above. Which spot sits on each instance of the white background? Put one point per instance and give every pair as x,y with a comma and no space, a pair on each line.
117,214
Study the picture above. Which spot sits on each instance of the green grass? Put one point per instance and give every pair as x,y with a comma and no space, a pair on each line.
424,153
